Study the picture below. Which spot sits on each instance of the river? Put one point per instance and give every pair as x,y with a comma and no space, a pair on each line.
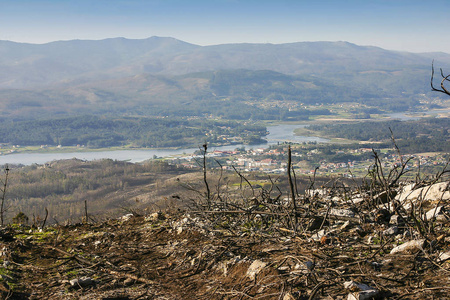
277,134
412,116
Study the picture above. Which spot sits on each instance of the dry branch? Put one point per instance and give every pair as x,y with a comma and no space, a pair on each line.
443,89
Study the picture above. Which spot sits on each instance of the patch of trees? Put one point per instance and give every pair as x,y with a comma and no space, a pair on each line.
233,108
63,186
99,132
425,135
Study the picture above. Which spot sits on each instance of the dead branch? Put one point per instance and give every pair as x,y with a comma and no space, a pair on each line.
3,190
444,79
208,192
103,269
291,185
245,179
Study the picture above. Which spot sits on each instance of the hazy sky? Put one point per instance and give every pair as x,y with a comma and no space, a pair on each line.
407,25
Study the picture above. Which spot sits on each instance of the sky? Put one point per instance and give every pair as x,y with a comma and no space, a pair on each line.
403,25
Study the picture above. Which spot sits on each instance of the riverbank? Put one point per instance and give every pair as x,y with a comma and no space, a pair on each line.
36,155
295,132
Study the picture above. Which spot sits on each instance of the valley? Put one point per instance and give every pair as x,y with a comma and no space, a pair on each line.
303,146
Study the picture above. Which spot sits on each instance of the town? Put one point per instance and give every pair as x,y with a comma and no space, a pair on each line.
309,158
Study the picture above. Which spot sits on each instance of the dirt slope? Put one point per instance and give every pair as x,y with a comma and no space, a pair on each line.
184,256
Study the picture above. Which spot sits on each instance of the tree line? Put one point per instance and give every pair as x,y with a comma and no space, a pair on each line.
424,135
100,132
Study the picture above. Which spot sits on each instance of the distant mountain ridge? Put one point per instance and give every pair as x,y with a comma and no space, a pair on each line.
121,75
31,65
41,65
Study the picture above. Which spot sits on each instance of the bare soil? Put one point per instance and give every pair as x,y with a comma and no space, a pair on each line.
178,255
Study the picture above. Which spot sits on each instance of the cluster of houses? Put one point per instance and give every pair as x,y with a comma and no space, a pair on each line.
273,161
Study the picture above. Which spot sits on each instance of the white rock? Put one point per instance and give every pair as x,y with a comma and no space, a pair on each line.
391,230
342,212
126,217
360,291
355,286
82,282
318,192
406,190
317,236
179,229
154,217
363,295
436,213
384,196
410,246
443,256
356,200
395,220
255,268
429,193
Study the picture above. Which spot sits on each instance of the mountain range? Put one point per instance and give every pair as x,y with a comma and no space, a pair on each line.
122,75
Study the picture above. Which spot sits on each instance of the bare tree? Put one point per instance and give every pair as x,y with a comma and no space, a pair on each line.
444,79
3,194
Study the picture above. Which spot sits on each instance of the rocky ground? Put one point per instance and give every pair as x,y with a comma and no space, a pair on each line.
334,247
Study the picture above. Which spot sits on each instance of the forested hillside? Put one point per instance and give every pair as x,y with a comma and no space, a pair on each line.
164,76
100,132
